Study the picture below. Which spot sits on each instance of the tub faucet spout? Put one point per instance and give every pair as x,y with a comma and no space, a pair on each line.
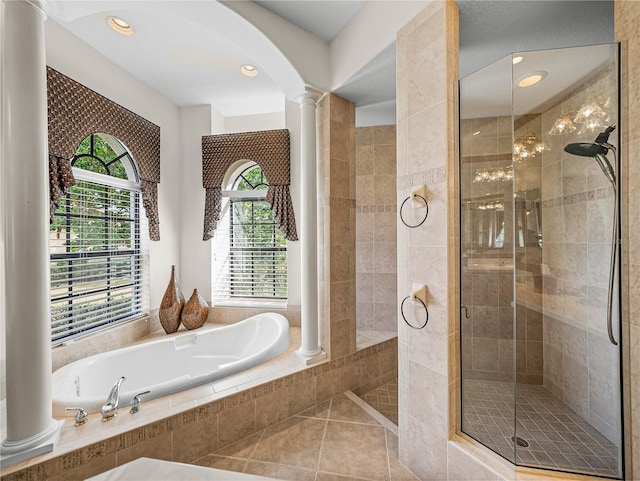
110,407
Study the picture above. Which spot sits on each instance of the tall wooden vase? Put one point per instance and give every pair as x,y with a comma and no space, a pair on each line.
195,311
171,305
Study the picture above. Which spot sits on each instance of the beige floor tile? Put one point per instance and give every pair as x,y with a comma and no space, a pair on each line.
243,448
295,442
355,450
320,411
291,449
344,409
335,477
221,462
279,471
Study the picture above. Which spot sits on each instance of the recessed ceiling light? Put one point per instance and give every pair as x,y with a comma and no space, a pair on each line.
532,78
249,70
120,26
517,59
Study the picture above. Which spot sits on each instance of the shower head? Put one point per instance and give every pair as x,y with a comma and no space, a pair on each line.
585,150
597,150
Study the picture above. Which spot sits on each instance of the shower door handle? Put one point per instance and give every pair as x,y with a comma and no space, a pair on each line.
466,311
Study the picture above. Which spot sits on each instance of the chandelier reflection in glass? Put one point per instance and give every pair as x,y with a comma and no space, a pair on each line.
562,125
592,115
527,146
499,174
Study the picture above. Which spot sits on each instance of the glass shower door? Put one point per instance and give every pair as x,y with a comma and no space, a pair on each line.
538,192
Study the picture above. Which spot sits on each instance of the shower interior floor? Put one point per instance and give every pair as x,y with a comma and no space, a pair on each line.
558,437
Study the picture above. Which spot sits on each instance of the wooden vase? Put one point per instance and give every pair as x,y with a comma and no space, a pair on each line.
195,311
171,305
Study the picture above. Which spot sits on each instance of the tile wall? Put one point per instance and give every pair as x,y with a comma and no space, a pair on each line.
581,365
426,52
426,80
627,19
487,260
337,224
376,279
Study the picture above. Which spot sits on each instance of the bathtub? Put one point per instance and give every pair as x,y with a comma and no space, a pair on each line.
170,364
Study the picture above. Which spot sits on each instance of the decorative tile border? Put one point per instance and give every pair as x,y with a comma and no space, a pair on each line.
365,209
361,371
603,193
437,175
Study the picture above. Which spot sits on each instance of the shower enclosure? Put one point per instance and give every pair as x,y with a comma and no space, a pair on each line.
538,210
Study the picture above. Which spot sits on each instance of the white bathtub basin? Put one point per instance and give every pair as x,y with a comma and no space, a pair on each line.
170,364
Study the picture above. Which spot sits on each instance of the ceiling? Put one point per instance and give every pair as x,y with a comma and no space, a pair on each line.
324,19
192,61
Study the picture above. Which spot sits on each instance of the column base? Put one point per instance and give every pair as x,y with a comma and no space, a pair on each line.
12,452
310,357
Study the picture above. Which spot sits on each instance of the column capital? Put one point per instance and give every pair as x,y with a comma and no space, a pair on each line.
309,95
39,5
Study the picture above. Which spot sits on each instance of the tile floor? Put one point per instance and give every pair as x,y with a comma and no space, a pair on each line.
558,437
336,440
384,400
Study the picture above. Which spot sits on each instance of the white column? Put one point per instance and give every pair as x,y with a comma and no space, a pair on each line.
310,350
31,430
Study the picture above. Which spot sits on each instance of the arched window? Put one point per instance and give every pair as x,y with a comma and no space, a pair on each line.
96,241
249,251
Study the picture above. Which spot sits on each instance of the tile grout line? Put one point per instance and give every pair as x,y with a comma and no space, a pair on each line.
324,435
386,423
253,451
386,446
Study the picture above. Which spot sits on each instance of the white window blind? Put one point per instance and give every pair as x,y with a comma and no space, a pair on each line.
249,251
97,255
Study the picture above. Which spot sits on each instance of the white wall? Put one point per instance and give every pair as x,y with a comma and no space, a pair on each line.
292,120
67,54
250,123
195,254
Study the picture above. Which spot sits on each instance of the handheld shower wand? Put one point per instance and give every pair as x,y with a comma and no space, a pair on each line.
598,150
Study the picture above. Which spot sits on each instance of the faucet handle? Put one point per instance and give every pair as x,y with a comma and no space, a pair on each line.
135,402
81,416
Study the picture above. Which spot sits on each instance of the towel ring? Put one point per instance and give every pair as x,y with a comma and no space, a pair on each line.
426,204
425,310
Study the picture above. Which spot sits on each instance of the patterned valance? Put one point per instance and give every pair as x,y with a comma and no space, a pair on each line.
75,112
270,150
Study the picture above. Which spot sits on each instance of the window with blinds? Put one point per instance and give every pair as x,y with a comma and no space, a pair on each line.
96,243
249,251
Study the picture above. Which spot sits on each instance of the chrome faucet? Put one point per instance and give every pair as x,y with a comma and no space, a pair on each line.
110,407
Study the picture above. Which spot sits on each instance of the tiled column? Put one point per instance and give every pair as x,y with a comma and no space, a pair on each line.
310,349
337,224
31,429
426,80
627,19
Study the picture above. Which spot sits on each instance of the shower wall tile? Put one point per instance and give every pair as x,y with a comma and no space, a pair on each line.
576,386
376,250
337,223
